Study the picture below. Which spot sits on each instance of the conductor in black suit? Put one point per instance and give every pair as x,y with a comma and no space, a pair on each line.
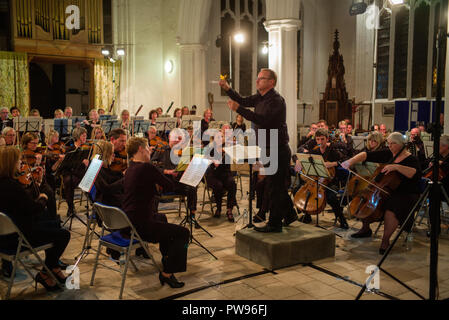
270,113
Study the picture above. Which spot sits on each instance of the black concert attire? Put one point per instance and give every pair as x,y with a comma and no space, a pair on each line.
308,145
236,126
5,123
270,113
90,127
26,214
109,187
221,179
303,141
204,127
332,154
405,196
262,196
140,190
163,158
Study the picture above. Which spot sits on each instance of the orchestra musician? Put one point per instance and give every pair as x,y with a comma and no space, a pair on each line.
140,190
101,111
24,211
4,120
178,115
401,200
239,123
72,177
346,144
153,116
15,112
159,112
269,113
444,163
383,130
416,146
375,142
331,156
185,111
154,140
10,136
205,124
54,157
118,139
310,136
125,125
98,134
68,112
220,178
163,155
59,114
93,122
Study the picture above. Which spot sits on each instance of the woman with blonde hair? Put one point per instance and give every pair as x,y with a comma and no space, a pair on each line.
59,114
22,209
98,134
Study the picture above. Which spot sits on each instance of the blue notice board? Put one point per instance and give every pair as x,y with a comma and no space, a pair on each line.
401,115
423,113
434,106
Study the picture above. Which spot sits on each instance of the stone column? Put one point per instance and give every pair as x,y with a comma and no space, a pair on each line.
283,59
193,76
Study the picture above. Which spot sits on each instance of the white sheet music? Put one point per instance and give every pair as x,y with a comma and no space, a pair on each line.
240,153
91,174
195,171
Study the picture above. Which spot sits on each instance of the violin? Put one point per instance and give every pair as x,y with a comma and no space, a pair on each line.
306,197
368,203
27,175
120,162
159,144
55,151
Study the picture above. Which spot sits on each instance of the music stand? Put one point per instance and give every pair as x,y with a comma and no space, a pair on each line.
140,126
192,177
27,124
110,125
313,165
62,127
77,119
106,117
71,161
187,121
245,155
358,142
86,185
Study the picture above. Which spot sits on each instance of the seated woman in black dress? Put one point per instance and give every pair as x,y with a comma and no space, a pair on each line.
24,212
141,179
220,178
401,201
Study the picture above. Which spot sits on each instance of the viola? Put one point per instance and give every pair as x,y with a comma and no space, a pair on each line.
27,175
120,162
368,203
159,144
428,174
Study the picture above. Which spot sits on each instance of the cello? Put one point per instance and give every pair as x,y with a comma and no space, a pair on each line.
311,199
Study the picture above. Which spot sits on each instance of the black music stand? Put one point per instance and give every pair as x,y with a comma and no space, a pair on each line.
109,125
192,177
72,160
62,127
313,165
140,126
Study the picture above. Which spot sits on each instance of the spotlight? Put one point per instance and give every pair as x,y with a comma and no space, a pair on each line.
120,52
239,37
112,60
396,2
169,66
105,52
265,49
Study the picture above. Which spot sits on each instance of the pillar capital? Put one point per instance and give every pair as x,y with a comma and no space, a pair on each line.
284,24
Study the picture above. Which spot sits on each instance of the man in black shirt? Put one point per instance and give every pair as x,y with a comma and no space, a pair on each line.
270,113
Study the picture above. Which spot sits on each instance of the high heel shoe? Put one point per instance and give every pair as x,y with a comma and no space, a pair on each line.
172,281
60,276
42,281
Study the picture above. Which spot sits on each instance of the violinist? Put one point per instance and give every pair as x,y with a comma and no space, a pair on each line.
375,142
205,124
239,123
331,156
109,183
72,177
34,162
343,140
68,112
98,134
156,142
10,136
311,142
400,201
140,183
175,144
4,120
118,139
54,157
159,111
416,146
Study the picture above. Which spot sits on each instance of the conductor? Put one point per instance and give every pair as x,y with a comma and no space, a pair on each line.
269,113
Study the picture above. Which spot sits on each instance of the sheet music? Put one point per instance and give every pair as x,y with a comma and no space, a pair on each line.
318,168
367,169
91,175
239,153
195,171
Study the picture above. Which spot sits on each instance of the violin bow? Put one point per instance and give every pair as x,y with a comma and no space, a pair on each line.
367,181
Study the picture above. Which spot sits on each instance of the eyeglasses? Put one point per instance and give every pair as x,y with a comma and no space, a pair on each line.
262,78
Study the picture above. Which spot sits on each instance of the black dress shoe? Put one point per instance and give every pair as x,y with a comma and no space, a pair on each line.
62,265
39,279
359,234
343,223
382,251
288,221
268,228
217,214
306,218
172,281
114,254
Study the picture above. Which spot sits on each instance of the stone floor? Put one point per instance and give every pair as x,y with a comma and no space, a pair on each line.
232,277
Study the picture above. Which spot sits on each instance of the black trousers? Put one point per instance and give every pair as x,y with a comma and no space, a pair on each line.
189,192
173,241
262,194
42,234
281,204
70,183
332,200
220,184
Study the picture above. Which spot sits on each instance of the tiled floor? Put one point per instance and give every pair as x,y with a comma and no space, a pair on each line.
299,282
